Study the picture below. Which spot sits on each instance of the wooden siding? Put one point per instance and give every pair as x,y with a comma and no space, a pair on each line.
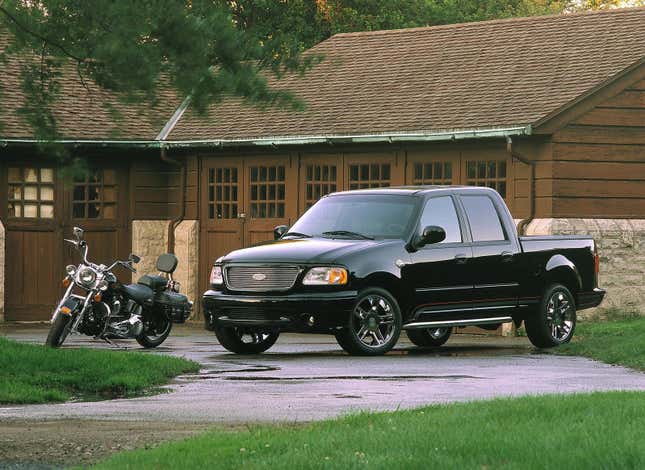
155,189
598,164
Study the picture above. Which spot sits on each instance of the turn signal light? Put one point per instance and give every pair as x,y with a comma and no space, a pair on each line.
65,310
66,282
98,297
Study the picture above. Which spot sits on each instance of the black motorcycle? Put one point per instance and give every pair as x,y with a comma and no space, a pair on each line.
96,304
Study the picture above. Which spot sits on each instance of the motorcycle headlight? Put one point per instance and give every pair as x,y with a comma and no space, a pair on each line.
325,276
86,277
217,278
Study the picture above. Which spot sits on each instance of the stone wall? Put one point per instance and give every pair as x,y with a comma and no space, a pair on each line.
621,245
187,250
150,239
2,255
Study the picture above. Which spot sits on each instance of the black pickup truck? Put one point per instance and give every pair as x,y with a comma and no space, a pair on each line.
364,265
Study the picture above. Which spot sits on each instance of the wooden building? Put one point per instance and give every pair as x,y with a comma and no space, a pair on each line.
550,111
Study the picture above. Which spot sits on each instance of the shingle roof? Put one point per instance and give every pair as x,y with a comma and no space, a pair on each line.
82,110
466,76
484,75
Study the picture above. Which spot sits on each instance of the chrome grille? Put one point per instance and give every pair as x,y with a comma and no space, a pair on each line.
261,278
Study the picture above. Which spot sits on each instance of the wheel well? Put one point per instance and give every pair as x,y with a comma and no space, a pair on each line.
391,284
566,277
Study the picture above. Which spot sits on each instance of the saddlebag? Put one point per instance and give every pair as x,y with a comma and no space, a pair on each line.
176,306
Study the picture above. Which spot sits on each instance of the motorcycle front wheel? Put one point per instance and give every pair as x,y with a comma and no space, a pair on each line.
155,332
58,331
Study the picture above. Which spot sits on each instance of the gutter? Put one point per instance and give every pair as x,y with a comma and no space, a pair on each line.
174,223
523,224
161,142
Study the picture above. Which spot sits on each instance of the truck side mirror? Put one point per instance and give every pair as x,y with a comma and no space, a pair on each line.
430,235
279,231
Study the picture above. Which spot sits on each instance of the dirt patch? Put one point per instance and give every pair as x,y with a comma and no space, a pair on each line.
80,442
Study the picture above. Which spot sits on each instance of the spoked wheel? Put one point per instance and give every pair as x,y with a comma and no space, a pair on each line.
555,322
58,331
245,340
429,337
155,331
374,326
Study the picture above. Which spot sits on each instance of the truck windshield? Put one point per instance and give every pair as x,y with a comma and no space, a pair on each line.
358,217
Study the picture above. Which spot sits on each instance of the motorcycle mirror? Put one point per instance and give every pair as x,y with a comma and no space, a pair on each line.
78,233
134,258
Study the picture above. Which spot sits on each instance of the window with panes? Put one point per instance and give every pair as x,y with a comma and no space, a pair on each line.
31,193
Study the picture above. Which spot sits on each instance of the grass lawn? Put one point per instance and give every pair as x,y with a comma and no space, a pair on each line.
35,374
599,430
621,340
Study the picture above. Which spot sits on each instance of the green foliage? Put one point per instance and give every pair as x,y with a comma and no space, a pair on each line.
36,374
521,433
619,341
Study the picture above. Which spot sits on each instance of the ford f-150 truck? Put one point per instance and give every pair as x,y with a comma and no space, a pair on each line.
364,265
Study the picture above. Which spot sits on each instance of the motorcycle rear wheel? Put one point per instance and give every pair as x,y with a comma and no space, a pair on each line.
58,331
154,333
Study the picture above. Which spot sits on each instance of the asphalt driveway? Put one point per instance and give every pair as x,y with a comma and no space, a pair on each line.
304,378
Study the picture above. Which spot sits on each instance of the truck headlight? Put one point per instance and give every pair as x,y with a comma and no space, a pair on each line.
325,276
217,278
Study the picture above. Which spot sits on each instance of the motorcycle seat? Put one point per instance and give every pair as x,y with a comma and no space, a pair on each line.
156,283
139,293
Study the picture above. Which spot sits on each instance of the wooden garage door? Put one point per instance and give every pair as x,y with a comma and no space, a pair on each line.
242,200
41,210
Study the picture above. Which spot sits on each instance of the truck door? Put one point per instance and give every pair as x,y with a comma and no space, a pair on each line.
495,257
440,272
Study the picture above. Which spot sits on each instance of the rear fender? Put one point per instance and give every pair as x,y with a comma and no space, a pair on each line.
561,269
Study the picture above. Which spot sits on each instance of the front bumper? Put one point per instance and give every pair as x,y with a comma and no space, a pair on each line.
291,312
590,299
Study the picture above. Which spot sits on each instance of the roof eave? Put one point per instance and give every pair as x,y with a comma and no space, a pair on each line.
288,140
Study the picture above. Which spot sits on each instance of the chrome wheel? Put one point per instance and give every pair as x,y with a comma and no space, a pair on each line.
373,321
560,316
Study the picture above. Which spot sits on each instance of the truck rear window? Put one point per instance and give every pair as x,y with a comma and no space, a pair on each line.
484,220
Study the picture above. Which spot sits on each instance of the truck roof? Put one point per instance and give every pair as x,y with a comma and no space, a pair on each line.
413,190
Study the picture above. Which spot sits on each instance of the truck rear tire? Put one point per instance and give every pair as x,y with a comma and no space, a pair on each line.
555,320
429,337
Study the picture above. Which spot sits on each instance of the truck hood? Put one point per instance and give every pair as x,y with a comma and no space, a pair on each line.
302,251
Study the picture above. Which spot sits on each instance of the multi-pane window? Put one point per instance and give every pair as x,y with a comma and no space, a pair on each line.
94,195
319,180
31,193
490,173
369,175
433,173
267,191
222,193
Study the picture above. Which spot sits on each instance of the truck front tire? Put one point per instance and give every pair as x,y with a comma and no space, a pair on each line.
555,320
374,325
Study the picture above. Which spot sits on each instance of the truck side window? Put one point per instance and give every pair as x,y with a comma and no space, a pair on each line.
484,220
441,211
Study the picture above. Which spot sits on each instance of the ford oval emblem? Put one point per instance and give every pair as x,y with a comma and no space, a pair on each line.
259,276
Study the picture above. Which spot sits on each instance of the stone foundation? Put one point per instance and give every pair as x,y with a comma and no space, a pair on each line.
150,239
187,250
2,255
621,245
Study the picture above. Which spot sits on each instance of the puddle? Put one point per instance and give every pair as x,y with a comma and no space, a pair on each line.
354,377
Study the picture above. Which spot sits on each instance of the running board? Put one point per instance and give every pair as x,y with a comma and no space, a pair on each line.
443,323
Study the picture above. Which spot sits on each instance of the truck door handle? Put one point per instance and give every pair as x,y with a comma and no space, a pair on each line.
507,256
461,258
